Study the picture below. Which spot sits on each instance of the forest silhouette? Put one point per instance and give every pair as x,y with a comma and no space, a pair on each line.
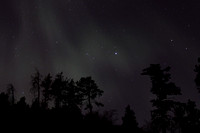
62,104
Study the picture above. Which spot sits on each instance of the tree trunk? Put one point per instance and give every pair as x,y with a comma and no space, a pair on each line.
164,130
13,98
38,95
90,105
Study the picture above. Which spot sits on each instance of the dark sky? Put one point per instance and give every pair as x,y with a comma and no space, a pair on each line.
110,40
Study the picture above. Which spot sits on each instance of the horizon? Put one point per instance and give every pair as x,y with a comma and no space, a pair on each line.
110,40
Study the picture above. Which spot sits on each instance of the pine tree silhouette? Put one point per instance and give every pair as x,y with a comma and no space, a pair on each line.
59,86
162,88
21,105
192,119
73,97
36,79
10,91
178,120
129,120
46,84
90,92
4,102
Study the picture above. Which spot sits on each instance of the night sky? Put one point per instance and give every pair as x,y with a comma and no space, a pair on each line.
110,40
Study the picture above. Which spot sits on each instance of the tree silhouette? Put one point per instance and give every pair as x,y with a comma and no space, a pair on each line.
167,115
59,86
192,119
96,120
36,79
178,120
4,102
197,78
21,105
90,92
10,91
162,88
129,119
46,84
73,96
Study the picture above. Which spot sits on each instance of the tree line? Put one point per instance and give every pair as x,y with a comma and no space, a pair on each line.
60,101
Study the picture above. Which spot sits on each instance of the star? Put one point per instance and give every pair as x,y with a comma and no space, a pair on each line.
116,53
